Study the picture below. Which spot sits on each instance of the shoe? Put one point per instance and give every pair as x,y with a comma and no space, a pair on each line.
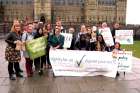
12,77
29,75
19,75
36,68
40,72
118,74
20,70
49,67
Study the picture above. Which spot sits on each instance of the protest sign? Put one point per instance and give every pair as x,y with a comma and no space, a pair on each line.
83,63
107,36
68,40
124,58
124,36
36,47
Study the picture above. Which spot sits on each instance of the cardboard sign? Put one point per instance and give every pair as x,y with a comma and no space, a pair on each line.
124,36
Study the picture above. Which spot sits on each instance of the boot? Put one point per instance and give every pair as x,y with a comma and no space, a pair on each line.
20,70
19,75
118,74
40,72
12,77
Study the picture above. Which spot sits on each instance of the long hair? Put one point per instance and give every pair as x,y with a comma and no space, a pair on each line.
100,45
15,22
103,42
118,44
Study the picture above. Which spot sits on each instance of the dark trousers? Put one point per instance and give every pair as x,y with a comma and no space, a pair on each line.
29,65
43,61
39,62
92,46
14,65
47,53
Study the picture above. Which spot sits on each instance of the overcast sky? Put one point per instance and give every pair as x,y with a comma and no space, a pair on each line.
133,12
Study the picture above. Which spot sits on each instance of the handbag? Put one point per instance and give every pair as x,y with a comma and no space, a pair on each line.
18,45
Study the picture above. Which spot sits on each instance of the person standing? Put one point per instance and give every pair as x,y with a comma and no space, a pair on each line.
116,26
35,27
81,43
59,24
116,49
47,32
72,31
38,62
12,53
27,36
105,31
56,41
100,43
93,38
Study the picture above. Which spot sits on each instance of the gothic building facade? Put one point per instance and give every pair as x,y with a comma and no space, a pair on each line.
70,11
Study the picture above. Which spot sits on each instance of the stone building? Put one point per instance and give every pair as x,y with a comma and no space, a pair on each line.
20,9
42,10
70,11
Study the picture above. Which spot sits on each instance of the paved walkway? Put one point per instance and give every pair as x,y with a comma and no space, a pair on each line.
48,84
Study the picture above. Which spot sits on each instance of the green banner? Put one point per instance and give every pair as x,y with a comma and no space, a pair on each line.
36,47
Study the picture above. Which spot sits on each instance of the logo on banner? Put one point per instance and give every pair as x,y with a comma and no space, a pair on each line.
79,63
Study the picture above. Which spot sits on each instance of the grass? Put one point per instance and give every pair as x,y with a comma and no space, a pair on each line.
135,48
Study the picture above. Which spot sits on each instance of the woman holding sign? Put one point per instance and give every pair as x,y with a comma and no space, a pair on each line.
100,44
38,62
117,48
27,35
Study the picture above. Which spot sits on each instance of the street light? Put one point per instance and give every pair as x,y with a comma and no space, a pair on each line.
83,11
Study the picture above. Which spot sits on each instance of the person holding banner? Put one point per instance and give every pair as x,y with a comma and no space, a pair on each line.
83,30
25,38
72,31
107,36
117,48
12,52
100,43
56,41
93,38
81,43
88,37
38,62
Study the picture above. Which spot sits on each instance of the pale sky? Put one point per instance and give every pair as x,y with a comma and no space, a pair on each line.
133,12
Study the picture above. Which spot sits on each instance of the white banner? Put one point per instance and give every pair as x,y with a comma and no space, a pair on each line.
125,61
124,36
83,63
107,36
68,40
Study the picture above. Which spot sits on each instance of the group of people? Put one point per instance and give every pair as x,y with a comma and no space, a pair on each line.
88,38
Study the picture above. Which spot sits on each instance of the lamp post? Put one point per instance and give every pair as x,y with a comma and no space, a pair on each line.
83,11
115,19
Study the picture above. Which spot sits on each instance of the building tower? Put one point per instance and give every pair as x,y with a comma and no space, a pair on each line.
42,10
121,11
91,11
1,12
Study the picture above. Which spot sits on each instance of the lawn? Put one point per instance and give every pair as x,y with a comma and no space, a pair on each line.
135,48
